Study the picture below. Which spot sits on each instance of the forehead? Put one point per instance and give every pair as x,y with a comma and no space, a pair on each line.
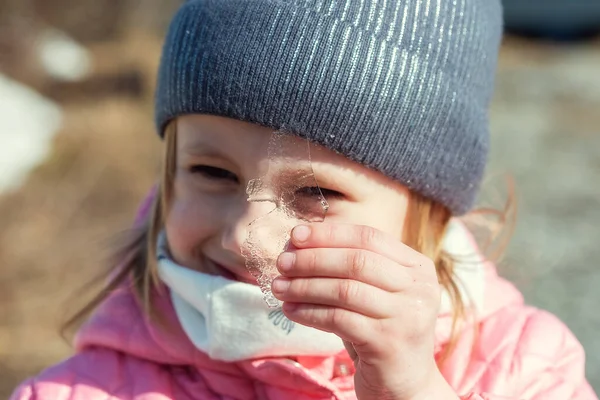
247,145
208,132
239,140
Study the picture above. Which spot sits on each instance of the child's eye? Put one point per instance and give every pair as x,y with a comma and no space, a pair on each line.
314,191
305,202
214,173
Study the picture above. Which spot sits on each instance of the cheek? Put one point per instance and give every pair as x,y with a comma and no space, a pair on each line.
385,213
388,210
191,221
391,217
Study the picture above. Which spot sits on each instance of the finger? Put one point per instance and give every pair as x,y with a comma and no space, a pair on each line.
348,325
357,237
343,293
356,264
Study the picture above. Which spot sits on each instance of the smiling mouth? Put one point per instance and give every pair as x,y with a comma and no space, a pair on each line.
227,273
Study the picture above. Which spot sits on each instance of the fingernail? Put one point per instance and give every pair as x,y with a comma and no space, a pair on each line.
301,233
286,261
280,285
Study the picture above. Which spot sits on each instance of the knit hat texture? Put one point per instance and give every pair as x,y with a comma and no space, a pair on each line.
401,86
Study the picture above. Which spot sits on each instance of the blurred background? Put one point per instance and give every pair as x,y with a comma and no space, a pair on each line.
78,152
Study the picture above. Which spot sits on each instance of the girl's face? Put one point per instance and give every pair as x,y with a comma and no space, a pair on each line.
209,213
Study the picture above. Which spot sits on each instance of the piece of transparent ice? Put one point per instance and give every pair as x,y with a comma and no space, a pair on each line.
290,184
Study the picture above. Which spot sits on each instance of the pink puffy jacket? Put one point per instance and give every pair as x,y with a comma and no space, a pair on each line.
518,352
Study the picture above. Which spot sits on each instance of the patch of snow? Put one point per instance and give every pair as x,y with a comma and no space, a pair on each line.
62,57
28,122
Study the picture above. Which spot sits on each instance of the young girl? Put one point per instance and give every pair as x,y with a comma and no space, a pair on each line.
384,294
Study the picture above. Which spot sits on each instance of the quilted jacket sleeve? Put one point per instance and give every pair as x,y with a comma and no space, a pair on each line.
538,359
24,392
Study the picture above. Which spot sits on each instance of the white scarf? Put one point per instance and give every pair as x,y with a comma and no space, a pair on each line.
229,320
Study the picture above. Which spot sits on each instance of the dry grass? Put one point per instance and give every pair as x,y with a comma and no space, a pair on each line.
56,229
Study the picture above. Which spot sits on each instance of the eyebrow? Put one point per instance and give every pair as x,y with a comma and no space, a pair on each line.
305,173
201,148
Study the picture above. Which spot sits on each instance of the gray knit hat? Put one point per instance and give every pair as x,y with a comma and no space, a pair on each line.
401,86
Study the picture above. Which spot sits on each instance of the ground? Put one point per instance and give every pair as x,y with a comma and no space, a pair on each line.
59,227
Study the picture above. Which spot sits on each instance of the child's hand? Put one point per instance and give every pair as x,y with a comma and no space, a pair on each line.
377,294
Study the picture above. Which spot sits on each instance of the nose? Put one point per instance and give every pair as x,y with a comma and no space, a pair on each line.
235,229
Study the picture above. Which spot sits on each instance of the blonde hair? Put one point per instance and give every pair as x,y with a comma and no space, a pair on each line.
425,227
